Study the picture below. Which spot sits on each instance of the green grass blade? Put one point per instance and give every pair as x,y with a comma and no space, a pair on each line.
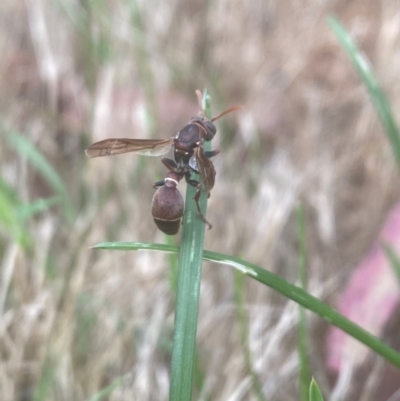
393,260
135,246
309,302
106,391
28,151
8,215
10,221
364,69
25,212
8,192
302,344
244,335
46,381
315,392
13,214
187,299
285,288
173,266
199,376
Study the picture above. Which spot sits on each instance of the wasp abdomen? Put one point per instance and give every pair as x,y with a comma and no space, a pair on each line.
168,206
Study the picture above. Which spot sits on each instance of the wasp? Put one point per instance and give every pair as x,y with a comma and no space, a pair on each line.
189,157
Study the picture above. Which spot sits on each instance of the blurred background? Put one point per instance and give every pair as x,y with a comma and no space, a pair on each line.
72,72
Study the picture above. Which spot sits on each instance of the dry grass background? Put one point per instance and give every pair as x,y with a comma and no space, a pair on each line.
74,72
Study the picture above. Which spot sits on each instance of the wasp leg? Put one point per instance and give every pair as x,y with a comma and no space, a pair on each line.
169,163
159,184
196,199
211,153
193,183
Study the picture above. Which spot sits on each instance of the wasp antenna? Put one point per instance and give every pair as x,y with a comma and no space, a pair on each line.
199,99
233,108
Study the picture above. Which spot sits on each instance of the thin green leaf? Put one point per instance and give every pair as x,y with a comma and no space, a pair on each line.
46,381
13,213
27,150
244,335
173,266
287,289
8,192
106,391
393,260
364,69
315,392
302,345
8,215
187,299
10,222
25,212
199,377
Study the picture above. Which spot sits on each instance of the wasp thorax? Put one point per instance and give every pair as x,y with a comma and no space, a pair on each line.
168,206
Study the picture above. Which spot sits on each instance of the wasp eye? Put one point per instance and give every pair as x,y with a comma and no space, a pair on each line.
211,130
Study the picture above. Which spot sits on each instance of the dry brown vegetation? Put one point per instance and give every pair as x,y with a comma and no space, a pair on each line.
74,72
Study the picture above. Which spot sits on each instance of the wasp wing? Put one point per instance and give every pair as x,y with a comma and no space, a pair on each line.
116,146
193,164
205,167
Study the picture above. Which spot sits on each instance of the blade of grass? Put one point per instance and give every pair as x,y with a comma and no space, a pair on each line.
46,381
173,266
315,392
8,215
25,212
9,219
13,213
27,150
106,391
244,335
365,71
393,260
302,345
287,289
187,299
199,375
310,302
7,191
199,379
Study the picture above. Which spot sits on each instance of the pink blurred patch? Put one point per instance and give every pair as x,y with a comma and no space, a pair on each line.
370,297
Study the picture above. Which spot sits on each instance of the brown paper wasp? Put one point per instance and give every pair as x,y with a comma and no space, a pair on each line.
189,157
